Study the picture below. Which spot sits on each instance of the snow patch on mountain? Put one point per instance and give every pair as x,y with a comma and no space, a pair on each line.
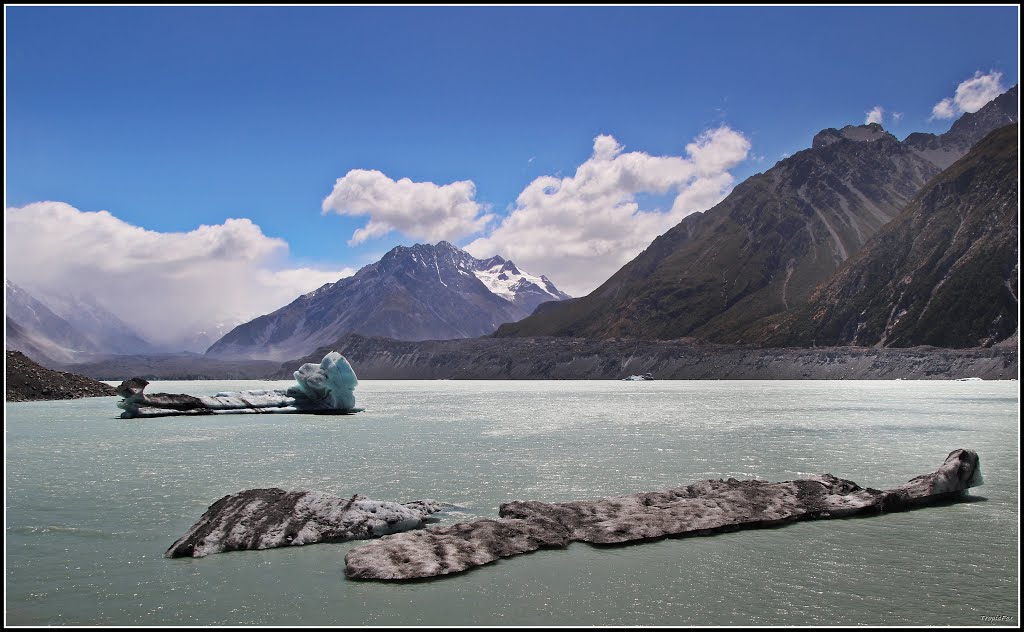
507,281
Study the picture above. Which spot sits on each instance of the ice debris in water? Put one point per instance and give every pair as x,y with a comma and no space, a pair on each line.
320,388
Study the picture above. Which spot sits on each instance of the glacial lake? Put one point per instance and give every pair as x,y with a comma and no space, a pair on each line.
93,501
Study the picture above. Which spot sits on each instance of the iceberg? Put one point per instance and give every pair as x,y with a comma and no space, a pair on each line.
701,508
325,388
256,519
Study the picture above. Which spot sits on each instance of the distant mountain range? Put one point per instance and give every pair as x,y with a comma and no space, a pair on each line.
62,329
65,328
423,292
35,329
765,249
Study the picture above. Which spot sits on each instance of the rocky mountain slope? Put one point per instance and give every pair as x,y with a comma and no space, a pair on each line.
421,292
27,381
65,328
943,273
945,149
38,328
104,330
765,248
564,358
17,338
173,366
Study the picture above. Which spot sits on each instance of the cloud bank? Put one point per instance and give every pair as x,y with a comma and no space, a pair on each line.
971,95
421,210
875,115
579,230
168,286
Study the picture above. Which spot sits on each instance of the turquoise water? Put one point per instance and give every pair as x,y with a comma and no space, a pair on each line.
93,501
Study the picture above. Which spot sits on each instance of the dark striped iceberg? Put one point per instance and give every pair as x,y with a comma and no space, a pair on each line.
702,508
267,518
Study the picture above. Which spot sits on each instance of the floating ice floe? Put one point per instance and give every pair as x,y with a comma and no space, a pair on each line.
646,377
267,518
701,508
325,388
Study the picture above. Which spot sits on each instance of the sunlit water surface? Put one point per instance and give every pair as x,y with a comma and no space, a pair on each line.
93,501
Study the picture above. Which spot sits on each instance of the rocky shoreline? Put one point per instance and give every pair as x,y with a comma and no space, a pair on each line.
555,358
26,381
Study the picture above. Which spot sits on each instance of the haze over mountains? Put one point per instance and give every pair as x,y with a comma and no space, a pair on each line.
423,292
66,328
765,248
58,329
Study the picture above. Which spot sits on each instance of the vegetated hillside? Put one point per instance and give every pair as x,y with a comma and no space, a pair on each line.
764,249
943,273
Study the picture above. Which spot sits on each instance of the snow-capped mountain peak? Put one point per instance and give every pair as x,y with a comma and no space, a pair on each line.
504,279
419,292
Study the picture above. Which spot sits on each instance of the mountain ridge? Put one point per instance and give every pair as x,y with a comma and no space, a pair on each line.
766,247
414,292
942,273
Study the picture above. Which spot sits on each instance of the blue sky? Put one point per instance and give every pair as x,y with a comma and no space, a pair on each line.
172,117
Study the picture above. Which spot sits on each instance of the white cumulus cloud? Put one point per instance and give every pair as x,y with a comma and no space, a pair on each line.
971,95
166,285
579,230
944,109
421,210
875,115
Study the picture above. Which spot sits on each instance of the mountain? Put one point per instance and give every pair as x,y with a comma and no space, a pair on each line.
65,327
945,149
17,338
206,335
765,248
422,292
563,358
520,288
943,273
104,330
39,330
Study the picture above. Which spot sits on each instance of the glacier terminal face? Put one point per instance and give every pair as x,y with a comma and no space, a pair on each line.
325,388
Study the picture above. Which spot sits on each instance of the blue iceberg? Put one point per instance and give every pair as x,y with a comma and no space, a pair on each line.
325,388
